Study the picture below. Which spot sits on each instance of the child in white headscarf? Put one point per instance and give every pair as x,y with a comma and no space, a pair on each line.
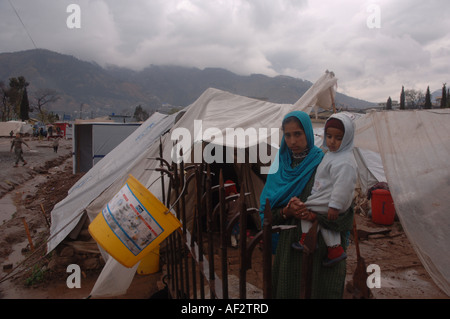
334,184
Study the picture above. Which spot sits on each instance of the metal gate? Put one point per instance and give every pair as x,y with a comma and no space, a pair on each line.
196,262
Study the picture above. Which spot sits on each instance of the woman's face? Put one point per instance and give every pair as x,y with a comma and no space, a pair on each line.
295,137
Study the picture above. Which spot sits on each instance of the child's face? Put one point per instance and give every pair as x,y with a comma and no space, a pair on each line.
295,137
334,138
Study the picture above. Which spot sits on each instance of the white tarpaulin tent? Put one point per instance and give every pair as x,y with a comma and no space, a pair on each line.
415,150
16,127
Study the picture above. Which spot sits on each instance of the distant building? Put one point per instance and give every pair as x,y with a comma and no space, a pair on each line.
119,118
437,102
395,105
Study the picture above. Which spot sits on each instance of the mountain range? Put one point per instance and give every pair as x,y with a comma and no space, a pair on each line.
95,91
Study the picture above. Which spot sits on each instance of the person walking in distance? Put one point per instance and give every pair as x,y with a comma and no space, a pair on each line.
16,143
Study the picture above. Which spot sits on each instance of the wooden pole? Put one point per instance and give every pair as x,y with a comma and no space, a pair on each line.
242,246
307,262
267,252
45,216
223,237
28,233
210,233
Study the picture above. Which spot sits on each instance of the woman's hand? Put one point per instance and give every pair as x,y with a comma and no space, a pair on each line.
332,213
297,209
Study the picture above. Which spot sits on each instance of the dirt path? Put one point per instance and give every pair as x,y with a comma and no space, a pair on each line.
24,191
28,193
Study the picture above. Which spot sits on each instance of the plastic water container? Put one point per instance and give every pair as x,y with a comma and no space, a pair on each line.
132,224
383,210
150,263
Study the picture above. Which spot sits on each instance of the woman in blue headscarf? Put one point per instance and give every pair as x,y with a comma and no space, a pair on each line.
287,187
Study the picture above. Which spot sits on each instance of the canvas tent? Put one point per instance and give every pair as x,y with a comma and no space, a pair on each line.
16,127
207,120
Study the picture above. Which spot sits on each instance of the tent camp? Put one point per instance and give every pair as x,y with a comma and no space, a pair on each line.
15,127
217,117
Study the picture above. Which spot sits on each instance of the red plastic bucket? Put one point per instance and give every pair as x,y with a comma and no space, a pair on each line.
383,210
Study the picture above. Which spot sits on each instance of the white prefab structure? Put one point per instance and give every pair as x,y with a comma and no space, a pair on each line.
92,141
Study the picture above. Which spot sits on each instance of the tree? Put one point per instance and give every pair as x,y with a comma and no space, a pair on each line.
5,109
389,104
15,94
414,99
140,114
24,106
427,99
448,100
444,96
402,99
43,97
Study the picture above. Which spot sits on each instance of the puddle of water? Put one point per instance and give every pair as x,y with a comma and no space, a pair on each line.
14,258
7,208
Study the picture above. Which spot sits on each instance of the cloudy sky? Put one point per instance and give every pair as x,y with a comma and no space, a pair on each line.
374,47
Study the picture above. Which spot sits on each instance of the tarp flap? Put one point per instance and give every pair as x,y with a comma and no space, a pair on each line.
114,279
370,168
415,150
320,94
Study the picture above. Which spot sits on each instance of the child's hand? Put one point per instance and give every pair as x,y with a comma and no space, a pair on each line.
332,213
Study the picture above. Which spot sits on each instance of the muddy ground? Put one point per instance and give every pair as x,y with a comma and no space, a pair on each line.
28,193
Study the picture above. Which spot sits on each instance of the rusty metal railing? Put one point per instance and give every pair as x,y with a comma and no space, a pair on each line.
196,258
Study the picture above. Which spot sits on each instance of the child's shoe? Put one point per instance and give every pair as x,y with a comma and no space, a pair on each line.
298,245
335,255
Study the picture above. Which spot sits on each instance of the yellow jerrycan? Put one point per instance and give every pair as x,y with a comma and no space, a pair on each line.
132,224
